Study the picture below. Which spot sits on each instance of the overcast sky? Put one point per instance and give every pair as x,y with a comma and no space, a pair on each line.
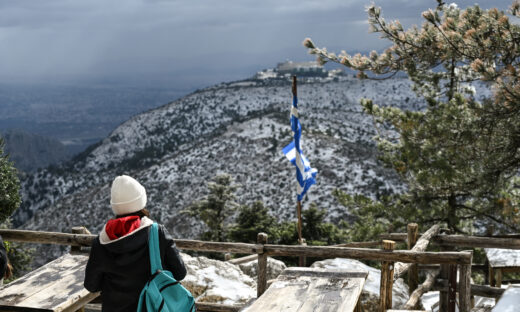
192,41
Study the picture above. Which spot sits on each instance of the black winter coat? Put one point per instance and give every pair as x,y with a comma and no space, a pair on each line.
3,258
120,269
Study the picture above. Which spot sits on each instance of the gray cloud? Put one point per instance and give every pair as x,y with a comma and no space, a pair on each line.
181,38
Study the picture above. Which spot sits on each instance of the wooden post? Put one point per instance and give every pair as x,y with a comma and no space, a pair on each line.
358,307
227,256
421,245
492,276
387,279
78,230
452,287
299,212
299,204
262,266
444,274
301,241
499,277
465,287
486,272
302,260
413,272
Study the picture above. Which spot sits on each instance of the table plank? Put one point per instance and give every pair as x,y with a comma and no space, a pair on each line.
503,258
56,286
509,301
312,290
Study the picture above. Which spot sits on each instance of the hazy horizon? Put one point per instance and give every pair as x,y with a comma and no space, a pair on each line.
182,43
66,63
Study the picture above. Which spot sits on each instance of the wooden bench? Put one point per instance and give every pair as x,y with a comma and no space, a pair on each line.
56,286
501,261
317,290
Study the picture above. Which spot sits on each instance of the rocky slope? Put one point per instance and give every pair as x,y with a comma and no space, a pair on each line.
31,151
238,128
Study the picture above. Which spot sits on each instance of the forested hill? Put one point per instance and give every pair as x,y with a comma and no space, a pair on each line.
237,128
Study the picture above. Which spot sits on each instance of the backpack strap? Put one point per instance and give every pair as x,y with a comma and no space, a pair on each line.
153,246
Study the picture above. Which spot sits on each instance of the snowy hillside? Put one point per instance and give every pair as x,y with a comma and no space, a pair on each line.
238,128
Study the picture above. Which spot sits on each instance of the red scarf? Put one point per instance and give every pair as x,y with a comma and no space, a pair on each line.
120,227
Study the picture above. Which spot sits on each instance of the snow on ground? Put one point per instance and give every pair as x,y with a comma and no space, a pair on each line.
430,301
217,281
499,257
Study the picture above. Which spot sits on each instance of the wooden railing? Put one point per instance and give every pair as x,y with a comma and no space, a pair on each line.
405,256
512,242
387,256
427,260
450,242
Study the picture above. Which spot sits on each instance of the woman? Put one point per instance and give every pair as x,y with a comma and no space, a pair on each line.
119,263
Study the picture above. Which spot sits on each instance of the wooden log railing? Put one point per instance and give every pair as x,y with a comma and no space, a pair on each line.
427,260
360,244
420,290
262,250
421,245
429,267
476,290
406,256
55,238
351,244
508,242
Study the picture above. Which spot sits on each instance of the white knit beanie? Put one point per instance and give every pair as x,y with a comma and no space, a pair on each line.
127,195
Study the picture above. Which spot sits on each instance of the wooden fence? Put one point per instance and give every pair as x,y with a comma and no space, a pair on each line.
448,280
446,240
389,257
394,262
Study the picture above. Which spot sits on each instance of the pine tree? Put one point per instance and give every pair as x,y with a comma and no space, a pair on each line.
19,256
250,221
318,232
216,207
459,157
9,186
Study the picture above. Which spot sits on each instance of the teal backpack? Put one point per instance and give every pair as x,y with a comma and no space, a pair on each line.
162,292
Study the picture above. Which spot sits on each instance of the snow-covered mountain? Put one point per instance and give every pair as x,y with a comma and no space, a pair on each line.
237,128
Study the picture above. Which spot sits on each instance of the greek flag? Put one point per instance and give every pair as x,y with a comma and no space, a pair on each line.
305,175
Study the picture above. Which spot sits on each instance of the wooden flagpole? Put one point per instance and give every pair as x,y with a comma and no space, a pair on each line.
299,211
299,205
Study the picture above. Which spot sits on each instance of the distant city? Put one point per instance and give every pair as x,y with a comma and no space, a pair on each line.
300,69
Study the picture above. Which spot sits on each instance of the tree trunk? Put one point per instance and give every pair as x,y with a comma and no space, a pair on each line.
452,213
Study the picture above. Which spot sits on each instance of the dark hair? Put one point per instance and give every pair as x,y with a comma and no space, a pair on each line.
141,213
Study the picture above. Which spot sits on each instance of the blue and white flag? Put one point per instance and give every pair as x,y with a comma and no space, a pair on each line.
305,175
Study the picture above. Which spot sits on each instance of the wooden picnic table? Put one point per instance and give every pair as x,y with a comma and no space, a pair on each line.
500,261
309,289
56,286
